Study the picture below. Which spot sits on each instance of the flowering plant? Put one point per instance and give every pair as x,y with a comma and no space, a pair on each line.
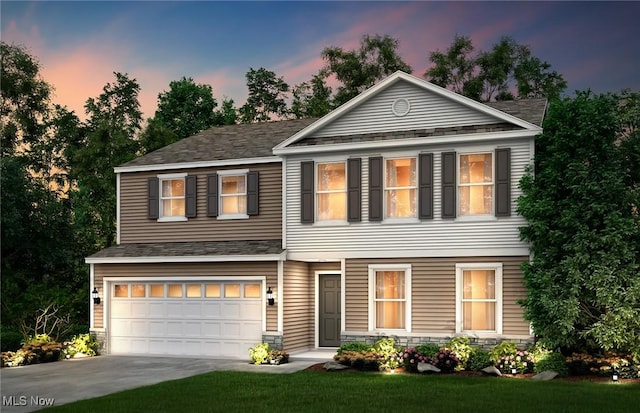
411,357
521,361
446,360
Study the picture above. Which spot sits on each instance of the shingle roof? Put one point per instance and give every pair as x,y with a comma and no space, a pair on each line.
256,140
530,110
243,141
194,249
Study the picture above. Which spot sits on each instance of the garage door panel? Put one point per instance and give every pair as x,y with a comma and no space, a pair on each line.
215,325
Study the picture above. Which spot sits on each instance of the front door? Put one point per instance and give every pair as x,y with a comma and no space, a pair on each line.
329,310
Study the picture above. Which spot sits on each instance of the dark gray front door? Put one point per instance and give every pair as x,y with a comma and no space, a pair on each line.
329,317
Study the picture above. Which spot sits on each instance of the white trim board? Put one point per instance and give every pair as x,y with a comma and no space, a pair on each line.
194,258
201,164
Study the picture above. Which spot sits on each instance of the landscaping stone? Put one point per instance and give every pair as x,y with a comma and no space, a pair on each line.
492,371
545,375
334,365
427,367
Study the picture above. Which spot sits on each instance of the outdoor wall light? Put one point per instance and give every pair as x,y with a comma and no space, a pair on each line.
95,296
270,299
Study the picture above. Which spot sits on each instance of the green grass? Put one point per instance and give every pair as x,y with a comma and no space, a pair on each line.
362,392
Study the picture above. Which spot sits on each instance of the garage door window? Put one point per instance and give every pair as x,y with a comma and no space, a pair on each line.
175,290
138,290
121,290
232,291
156,290
194,290
252,291
212,290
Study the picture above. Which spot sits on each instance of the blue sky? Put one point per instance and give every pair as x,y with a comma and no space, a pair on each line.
81,43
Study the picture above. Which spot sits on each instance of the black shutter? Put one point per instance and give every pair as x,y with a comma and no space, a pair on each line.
503,182
449,185
212,195
354,184
306,192
375,188
253,203
190,183
153,198
425,185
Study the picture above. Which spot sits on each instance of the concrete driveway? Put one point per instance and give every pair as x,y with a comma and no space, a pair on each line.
30,388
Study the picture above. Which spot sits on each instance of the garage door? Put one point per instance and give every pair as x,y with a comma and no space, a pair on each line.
216,319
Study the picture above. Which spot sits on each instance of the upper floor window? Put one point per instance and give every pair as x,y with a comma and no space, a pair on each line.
390,297
479,302
475,187
233,194
172,197
331,192
400,188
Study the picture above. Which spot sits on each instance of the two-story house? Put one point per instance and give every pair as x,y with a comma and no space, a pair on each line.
391,216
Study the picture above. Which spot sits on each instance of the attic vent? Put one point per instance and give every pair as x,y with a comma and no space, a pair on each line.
400,107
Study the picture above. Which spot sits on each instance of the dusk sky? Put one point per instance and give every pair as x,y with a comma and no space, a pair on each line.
593,45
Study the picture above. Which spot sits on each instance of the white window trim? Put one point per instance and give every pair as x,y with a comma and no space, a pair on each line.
385,190
407,294
495,266
317,220
165,177
476,217
231,172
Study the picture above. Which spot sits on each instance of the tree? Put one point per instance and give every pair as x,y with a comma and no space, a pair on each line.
583,288
114,120
506,69
267,94
311,99
186,108
228,114
360,69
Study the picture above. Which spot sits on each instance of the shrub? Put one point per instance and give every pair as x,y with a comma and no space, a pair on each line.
21,357
387,353
551,361
45,351
82,344
462,347
505,348
478,359
357,346
361,360
278,357
259,353
521,361
428,349
579,363
10,340
411,357
446,360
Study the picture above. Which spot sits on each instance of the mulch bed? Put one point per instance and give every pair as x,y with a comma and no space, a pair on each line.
319,367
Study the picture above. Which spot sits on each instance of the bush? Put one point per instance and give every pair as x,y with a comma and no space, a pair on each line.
278,357
357,346
506,348
361,360
410,359
21,357
521,361
428,349
83,344
446,360
10,340
478,359
387,354
259,353
579,363
551,361
462,347
45,351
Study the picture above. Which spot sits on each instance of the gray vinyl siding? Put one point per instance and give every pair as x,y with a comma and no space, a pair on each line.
428,110
186,270
429,237
135,227
298,306
433,296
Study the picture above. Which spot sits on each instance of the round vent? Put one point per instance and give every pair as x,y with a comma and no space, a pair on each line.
400,107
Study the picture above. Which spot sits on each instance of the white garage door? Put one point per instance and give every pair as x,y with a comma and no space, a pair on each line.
218,319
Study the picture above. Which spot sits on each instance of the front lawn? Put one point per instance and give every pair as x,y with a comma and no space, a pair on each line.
309,391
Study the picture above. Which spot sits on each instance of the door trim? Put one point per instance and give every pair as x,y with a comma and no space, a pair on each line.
316,321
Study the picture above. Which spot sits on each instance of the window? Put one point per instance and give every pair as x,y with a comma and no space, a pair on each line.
121,290
390,297
232,291
172,197
175,290
233,194
400,188
212,290
138,290
252,291
479,292
194,290
475,188
156,290
331,191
